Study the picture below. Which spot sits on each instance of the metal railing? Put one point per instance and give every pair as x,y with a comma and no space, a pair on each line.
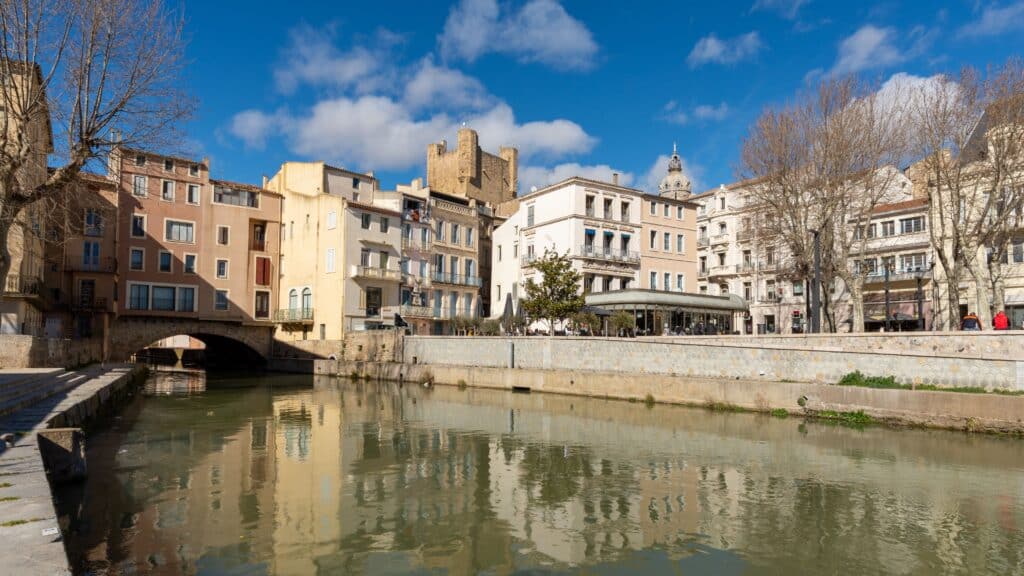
86,303
899,274
418,311
376,273
76,264
411,279
416,243
18,284
410,215
456,279
258,244
527,259
702,273
285,315
600,253
724,269
720,238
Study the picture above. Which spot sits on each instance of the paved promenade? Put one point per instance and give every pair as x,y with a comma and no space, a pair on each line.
30,539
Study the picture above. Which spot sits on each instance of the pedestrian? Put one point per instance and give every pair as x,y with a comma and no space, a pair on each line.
1000,321
970,322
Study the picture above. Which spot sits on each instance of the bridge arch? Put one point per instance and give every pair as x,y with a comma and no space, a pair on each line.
245,343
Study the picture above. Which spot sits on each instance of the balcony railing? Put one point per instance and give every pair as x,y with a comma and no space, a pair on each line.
456,279
416,244
767,266
611,254
744,235
703,242
258,244
724,270
74,263
528,259
702,273
410,279
294,316
93,230
376,273
719,239
746,268
19,285
899,274
411,311
770,297
85,303
410,215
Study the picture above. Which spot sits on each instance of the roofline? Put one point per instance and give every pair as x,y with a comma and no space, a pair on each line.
581,180
120,147
244,186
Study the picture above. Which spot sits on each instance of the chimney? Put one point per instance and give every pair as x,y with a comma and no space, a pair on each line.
615,178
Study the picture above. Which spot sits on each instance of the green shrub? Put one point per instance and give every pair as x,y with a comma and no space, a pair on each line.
780,413
462,384
856,378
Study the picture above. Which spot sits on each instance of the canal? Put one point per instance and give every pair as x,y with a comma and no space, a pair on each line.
282,474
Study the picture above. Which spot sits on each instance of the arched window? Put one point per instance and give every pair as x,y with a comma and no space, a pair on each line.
307,299
293,299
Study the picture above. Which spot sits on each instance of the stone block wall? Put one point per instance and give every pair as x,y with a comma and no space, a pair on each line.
370,346
635,357
21,351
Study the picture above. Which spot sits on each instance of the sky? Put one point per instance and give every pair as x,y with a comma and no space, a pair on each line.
580,87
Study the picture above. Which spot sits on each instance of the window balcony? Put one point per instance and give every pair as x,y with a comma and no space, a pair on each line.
410,311
608,254
416,244
455,279
744,235
84,303
18,285
703,242
410,279
371,273
75,263
724,270
293,316
720,239
912,273
702,273
769,298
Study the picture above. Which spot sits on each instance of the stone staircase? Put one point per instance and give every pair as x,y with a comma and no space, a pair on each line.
22,389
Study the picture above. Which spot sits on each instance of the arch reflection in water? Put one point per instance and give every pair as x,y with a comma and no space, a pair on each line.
349,477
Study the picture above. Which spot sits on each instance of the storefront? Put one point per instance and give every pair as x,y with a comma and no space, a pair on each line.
658,313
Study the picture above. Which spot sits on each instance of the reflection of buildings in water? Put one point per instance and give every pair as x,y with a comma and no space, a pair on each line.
177,381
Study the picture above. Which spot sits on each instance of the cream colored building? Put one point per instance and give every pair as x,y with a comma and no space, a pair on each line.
668,243
24,296
341,247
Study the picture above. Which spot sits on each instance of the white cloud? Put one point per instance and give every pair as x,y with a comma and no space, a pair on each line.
541,176
728,51
868,47
312,58
898,95
995,20
439,86
541,31
377,132
707,112
654,175
787,8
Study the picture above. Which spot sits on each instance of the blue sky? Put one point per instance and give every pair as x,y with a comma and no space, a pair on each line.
581,87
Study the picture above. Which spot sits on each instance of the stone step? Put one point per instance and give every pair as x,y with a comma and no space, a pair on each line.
39,393
19,387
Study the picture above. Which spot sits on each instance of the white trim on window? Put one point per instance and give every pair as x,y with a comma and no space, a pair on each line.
188,194
195,264
227,268
136,249
227,300
163,188
145,226
180,221
159,256
219,228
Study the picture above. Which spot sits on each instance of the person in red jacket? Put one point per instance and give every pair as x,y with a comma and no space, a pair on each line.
1000,321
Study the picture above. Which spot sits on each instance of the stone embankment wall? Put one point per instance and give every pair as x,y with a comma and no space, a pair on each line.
722,359
371,346
986,344
21,351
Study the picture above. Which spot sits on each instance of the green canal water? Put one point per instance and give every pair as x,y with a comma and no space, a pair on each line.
315,475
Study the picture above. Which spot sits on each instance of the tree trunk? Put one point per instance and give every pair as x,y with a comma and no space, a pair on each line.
857,299
8,216
982,299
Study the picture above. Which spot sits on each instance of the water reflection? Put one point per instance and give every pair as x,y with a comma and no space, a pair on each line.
253,478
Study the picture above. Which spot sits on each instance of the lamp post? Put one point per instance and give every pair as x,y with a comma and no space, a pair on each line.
920,296
816,286
886,265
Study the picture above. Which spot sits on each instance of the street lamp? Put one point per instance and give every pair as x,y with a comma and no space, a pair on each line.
816,286
887,265
920,296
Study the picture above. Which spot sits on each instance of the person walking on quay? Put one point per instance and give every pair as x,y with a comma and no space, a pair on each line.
1000,321
970,322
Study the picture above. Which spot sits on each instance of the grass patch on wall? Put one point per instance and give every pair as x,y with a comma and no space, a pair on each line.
858,418
856,378
780,413
649,401
10,523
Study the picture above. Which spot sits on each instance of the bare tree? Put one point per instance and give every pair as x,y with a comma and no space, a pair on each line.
78,77
969,131
820,164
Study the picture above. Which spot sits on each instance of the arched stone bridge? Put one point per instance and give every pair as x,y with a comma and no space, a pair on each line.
129,334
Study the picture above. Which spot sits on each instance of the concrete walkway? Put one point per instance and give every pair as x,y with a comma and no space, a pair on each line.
30,539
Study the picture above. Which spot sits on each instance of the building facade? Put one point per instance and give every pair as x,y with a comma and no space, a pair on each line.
668,247
470,172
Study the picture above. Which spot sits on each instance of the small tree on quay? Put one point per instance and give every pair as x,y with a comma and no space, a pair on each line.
557,296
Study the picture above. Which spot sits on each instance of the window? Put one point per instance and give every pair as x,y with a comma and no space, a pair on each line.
912,225
364,221
680,283
220,300
165,261
624,210
138,296
178,231
666,241
167,190
721,203
138,226
798,288
703,264
163,298
529,215
666,213
589,206
654,208
679,243
654,239
721,258
193,194
469,237
747,291
258,241
439,232
169,165
1018,250
307,299
385,224
654,281
355,183
293,299
262,271
667,282
332,220
364,257
455,233
140,159
223,235
515,250
137,259
90,255
679,212
139,185
373,301
262,304
912,262
722,229
186,299
236,197
383,259
888,228
190,263
193,170
93,223
329,264
222,269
